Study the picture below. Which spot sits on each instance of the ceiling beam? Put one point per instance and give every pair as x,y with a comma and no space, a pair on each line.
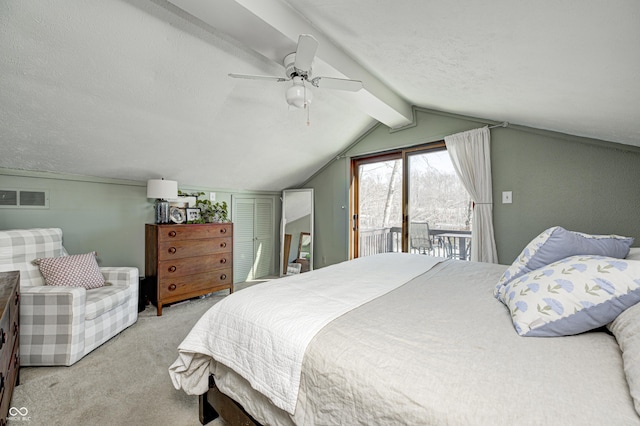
271,28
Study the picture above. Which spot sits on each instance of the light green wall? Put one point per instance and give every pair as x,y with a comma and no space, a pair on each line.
102,215
331,214
578,183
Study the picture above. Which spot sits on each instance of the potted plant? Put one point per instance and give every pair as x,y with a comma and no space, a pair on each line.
212,212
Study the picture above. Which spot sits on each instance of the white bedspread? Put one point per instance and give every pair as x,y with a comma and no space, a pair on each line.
262,332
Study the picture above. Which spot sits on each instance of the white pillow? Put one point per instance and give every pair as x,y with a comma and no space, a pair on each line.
572,296
626,328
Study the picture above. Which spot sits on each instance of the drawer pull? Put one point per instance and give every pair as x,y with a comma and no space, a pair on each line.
1,382
172,269
223,230
223,260
172,287
172,234
16,360
172,250
17,300
223,244
223,277
15,328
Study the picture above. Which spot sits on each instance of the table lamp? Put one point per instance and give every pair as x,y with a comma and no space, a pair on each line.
162,190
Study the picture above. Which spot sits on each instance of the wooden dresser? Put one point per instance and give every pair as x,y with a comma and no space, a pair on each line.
185,261
9,339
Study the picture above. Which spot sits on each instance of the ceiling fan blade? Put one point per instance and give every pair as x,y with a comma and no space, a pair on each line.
306,51
258,77
337,84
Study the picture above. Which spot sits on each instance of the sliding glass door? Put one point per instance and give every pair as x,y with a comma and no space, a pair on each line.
377,219
439,209
412,201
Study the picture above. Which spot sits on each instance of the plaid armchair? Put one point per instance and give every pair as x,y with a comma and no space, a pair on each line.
59,325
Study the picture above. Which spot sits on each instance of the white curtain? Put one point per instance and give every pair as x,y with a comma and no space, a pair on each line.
470,155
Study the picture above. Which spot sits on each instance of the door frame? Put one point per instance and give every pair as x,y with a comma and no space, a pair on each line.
354,196
356,162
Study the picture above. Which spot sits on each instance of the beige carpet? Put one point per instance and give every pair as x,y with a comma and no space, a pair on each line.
123,382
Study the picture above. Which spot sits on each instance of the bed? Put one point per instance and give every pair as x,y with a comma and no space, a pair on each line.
433,344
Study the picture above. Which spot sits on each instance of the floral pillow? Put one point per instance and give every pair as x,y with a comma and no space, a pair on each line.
80,270
571,296
558,243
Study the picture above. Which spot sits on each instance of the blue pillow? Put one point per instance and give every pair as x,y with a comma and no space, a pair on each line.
557,243
571,296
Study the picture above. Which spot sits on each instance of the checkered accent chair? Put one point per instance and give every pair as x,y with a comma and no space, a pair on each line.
60,325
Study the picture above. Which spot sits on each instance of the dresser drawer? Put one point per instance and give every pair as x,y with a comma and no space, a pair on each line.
6,343
180,287
193,232
14,311
170,269
189,248
9,337
9,378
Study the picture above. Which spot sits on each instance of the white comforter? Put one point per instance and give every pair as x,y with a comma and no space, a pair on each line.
262,332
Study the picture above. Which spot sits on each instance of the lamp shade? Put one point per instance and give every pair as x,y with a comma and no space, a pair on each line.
162,189
298,95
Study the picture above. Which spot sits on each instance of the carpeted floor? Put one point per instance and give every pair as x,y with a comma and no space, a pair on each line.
123,382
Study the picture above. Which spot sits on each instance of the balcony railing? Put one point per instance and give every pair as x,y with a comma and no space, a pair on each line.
444,243
383,240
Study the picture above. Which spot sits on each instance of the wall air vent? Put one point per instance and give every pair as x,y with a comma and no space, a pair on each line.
24,198
8,198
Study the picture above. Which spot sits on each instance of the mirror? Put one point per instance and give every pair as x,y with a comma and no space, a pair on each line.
304,248
296,239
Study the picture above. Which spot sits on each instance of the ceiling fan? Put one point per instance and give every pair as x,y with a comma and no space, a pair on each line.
297,67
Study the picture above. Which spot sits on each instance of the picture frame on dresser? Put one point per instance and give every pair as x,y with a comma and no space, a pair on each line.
185,201
177,215
183,261
193,214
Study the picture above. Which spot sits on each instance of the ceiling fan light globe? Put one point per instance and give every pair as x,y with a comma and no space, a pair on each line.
298,95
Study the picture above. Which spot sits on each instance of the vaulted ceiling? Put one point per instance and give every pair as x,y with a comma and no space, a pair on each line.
139,89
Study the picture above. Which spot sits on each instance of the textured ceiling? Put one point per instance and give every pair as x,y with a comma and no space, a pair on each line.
139,89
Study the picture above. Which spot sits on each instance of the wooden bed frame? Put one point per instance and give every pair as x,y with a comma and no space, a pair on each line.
214,404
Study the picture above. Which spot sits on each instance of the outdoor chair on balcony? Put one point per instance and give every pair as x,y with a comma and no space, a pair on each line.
419,238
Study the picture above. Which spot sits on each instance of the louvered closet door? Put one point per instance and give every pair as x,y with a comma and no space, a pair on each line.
253,237
263,233
242,209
